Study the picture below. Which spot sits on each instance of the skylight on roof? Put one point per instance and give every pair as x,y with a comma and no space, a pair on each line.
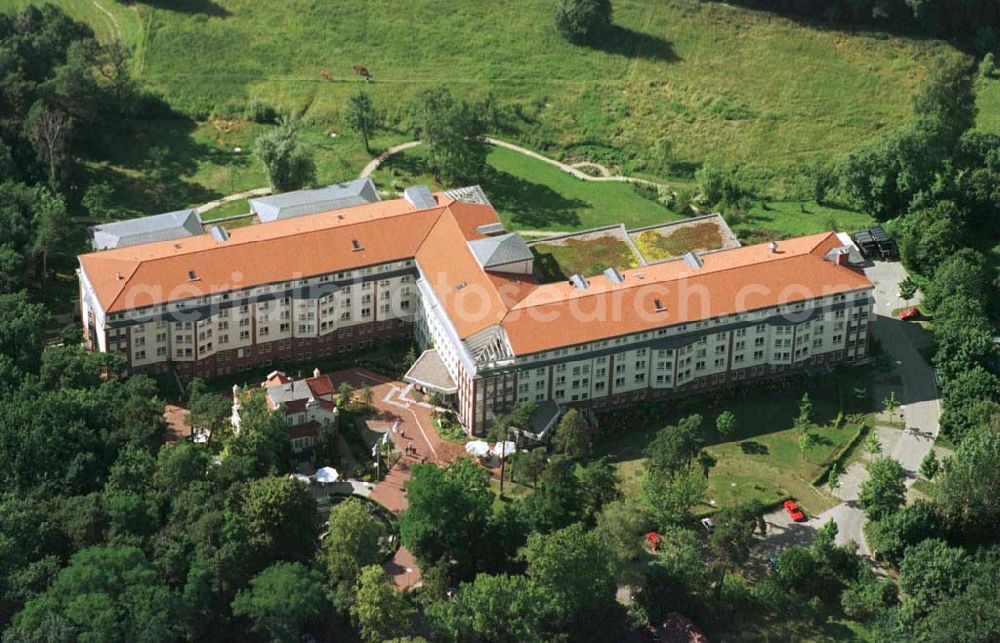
192,276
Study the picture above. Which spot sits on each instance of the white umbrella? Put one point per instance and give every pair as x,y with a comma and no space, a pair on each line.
477,448
502,449
327,474
299,476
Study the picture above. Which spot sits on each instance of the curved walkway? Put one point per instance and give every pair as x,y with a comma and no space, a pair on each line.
369,169
574,169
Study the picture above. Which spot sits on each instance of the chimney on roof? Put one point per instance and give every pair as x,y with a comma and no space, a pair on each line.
119,276
315,372
773,246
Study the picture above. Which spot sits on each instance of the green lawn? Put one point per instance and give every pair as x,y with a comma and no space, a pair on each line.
727,84
764,460
989,105
783,219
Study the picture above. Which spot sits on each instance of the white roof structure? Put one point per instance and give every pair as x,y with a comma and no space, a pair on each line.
158,227
302,202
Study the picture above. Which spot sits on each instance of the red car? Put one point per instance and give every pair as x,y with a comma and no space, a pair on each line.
794,511
909,313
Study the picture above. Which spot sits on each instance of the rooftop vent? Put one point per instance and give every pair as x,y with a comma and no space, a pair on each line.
660,308
614,275
773,246
461,285
355,245
218,233
420,197
693,260
192,276
579,282
119,276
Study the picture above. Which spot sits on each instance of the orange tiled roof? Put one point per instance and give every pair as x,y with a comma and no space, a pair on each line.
729,282
153,273
321,385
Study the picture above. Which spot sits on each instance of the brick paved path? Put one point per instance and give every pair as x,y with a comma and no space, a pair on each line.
415,437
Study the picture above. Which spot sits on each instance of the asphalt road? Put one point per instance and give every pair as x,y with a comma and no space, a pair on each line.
920,407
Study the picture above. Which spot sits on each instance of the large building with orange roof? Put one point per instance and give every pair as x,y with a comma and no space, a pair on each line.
496,329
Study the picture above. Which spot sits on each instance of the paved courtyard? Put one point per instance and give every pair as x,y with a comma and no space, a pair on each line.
409,425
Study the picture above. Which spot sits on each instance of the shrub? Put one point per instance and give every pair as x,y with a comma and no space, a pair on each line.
259,112
987,68
583,21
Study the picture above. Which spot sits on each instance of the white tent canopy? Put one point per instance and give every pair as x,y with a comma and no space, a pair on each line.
327,474
501,449
477,448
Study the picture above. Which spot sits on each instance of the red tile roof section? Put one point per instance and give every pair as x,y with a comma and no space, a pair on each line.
729,282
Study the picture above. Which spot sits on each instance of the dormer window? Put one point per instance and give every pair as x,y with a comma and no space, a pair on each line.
355,245
192,276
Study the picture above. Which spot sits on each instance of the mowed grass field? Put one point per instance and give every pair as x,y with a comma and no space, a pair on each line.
728,85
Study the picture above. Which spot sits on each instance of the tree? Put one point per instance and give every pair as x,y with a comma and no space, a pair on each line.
867,596
448,513
574,569
676,579
620,525
931,571
968,399
946,100
48,130
556,502
805,417
884,492
928,236
179,465
873,443
966,493
890,404
907,289
501,609
22,330
282,601
833,477
930,465
598,487
352,542
326,447
806,441
733,536
275,518
263,438
890,536
360,116
104,594
344,392
381,612
572,435
583,21
725,424
287,161
962,273
209,411
453,132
